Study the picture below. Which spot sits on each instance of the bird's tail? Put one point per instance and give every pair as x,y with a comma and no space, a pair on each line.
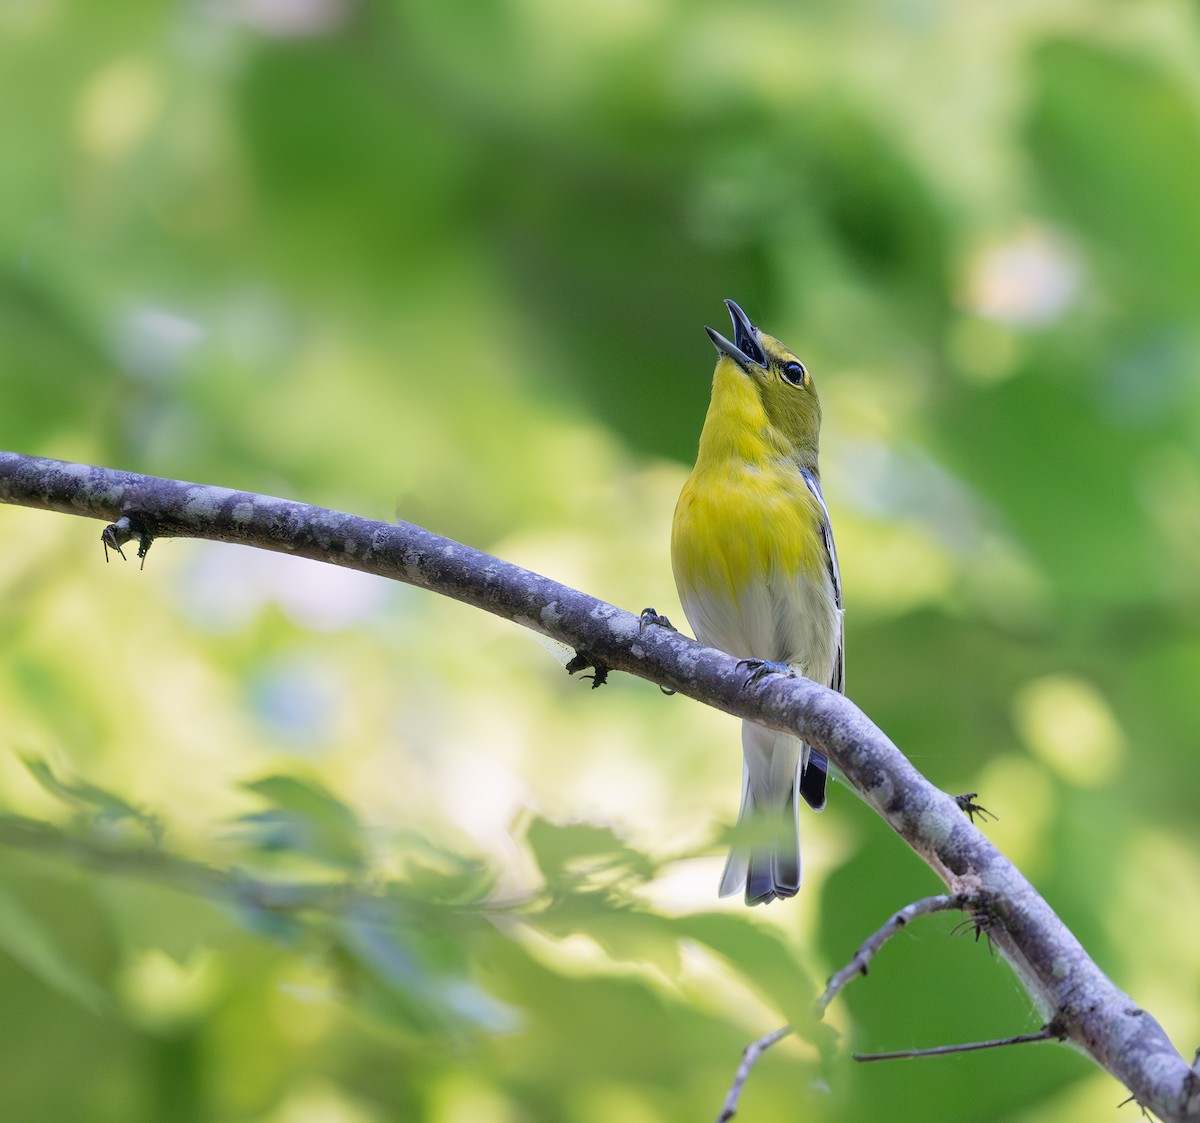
766,860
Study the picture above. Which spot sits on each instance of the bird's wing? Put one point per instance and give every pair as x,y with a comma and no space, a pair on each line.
835,575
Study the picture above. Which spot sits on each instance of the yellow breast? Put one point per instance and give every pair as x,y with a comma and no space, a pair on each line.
739,525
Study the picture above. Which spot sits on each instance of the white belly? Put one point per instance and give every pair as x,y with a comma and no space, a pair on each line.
791,620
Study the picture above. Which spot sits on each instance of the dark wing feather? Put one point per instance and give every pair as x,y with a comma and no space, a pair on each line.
813,779
835,575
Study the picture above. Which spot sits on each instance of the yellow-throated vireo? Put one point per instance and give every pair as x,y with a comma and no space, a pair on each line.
758,576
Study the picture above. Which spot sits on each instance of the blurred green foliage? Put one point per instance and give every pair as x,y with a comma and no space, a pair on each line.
280,843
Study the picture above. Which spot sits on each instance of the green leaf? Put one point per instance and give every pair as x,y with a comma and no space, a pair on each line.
761,956
574,852
80,792
117,821
405,982
32,945
307,819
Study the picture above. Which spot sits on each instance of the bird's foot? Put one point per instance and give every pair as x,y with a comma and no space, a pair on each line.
760,668
648,618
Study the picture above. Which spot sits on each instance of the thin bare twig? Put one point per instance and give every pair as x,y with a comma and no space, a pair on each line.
1044,1034
1060,977
750,1057
861,960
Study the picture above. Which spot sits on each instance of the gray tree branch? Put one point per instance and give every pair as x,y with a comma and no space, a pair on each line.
1066,985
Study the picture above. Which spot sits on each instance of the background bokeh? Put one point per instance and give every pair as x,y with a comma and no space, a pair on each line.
283,844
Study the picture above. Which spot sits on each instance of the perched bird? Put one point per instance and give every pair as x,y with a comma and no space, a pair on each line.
757,573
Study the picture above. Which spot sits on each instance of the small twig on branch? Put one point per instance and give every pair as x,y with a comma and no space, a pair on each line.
970,808
125,529
581,661
1046,1033
158,864
1061,978
858,965
750,1057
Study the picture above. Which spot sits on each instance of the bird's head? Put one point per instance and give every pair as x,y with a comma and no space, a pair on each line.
760,385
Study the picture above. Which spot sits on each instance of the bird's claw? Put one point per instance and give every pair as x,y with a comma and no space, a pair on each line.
980,923
648,618
760,668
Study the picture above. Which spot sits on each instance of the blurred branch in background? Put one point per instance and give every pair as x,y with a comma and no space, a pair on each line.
1071,992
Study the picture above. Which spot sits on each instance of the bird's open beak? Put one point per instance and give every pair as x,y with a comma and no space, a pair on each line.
745,349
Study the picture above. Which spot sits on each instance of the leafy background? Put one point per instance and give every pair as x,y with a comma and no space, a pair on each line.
285,844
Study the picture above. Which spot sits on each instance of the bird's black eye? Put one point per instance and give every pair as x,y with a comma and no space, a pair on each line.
794,372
